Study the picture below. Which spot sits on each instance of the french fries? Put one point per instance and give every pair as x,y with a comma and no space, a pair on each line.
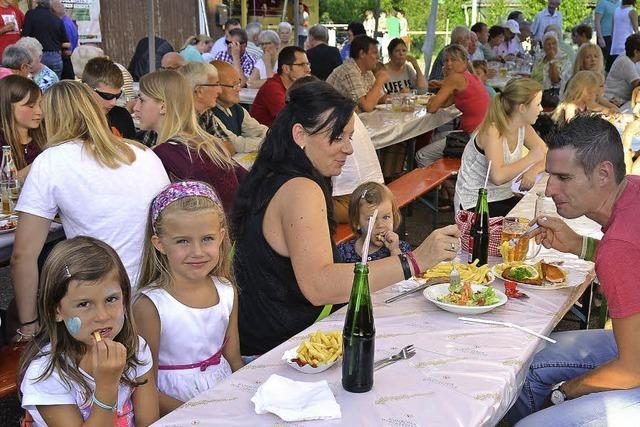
468,272
320,348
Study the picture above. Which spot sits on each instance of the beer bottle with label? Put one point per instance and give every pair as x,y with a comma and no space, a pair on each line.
479,234
358,336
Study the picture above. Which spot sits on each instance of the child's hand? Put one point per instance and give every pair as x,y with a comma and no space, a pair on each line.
391,241
108,360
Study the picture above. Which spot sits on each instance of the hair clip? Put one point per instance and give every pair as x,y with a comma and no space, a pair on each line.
364,193
67,273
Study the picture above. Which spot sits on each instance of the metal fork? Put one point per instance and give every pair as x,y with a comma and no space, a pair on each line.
406,353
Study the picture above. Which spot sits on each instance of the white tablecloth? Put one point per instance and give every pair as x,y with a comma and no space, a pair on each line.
462,375
7,239
387,128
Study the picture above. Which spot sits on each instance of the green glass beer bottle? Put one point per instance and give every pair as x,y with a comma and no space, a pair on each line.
479,234
358,335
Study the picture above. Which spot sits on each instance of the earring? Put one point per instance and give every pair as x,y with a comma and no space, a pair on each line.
301,147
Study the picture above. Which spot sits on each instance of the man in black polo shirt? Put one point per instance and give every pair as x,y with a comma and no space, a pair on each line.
48,29
322,57
106,81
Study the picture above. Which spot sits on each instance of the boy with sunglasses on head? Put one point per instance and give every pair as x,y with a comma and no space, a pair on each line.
103,76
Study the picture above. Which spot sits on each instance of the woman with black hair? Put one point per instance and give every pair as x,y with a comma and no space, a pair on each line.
285,262
402,76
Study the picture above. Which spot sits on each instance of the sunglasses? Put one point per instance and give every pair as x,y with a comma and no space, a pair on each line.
228,42
108,96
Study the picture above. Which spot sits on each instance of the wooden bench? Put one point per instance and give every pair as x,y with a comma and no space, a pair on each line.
413,186
9,360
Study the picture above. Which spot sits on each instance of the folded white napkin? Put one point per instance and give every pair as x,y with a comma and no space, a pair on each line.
296,400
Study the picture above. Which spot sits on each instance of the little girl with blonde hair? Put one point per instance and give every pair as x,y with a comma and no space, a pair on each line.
187,305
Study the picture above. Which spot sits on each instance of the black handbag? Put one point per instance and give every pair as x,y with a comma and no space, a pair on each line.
455,144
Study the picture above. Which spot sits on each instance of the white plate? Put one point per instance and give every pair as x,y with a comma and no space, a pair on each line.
289,355
384,107
6,219
433,292
547,286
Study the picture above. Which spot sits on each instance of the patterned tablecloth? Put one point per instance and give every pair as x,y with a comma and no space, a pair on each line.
387,127
462,375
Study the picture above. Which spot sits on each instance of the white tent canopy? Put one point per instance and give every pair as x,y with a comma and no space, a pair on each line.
430,38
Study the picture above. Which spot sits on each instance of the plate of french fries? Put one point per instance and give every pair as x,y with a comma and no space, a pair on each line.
468,272
317,353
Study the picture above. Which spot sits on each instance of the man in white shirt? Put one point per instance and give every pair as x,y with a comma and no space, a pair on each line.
220,45
361,166
549,16
623,76
253,31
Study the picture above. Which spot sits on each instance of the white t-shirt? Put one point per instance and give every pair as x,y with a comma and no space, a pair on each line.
262,68
93,200
220,45
361,166
54,391
618,83
400,80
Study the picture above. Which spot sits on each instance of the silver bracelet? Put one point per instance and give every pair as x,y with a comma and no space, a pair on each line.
583,253
104,406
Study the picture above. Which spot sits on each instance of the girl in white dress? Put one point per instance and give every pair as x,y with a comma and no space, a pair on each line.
187,306
86,365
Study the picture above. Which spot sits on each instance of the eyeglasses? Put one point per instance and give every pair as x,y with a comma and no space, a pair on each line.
211,84
108,96
302,64
235,86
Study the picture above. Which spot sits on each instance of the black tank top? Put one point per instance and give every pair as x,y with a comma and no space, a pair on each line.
272,308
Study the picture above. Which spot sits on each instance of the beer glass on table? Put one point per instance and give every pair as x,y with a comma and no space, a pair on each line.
525,248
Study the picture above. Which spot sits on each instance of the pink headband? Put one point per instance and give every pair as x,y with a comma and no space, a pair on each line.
177,191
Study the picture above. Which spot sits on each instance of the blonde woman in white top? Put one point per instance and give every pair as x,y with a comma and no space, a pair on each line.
499,139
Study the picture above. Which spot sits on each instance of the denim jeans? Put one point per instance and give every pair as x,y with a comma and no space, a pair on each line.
576,353
53,60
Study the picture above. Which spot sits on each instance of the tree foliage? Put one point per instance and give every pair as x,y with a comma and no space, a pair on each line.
573,11
417,11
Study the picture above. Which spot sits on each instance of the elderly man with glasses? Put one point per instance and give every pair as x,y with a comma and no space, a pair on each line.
236,54
227,119
17,59
292,64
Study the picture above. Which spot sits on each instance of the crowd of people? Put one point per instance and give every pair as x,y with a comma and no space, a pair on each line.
166,286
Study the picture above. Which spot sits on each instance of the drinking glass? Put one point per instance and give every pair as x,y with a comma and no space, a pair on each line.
525,248
9,193
396,102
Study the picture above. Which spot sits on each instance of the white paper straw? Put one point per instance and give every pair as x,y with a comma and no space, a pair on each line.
509,325
486,180
367,239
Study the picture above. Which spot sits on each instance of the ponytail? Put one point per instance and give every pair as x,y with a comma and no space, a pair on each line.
517,91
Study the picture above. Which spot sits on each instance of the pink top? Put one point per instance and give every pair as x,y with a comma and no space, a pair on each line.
618,250
473,101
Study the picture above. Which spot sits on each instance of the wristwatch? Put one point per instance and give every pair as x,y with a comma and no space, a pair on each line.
557,394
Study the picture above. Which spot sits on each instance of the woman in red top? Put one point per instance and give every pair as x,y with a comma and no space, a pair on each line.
187,151
462,88
21,120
